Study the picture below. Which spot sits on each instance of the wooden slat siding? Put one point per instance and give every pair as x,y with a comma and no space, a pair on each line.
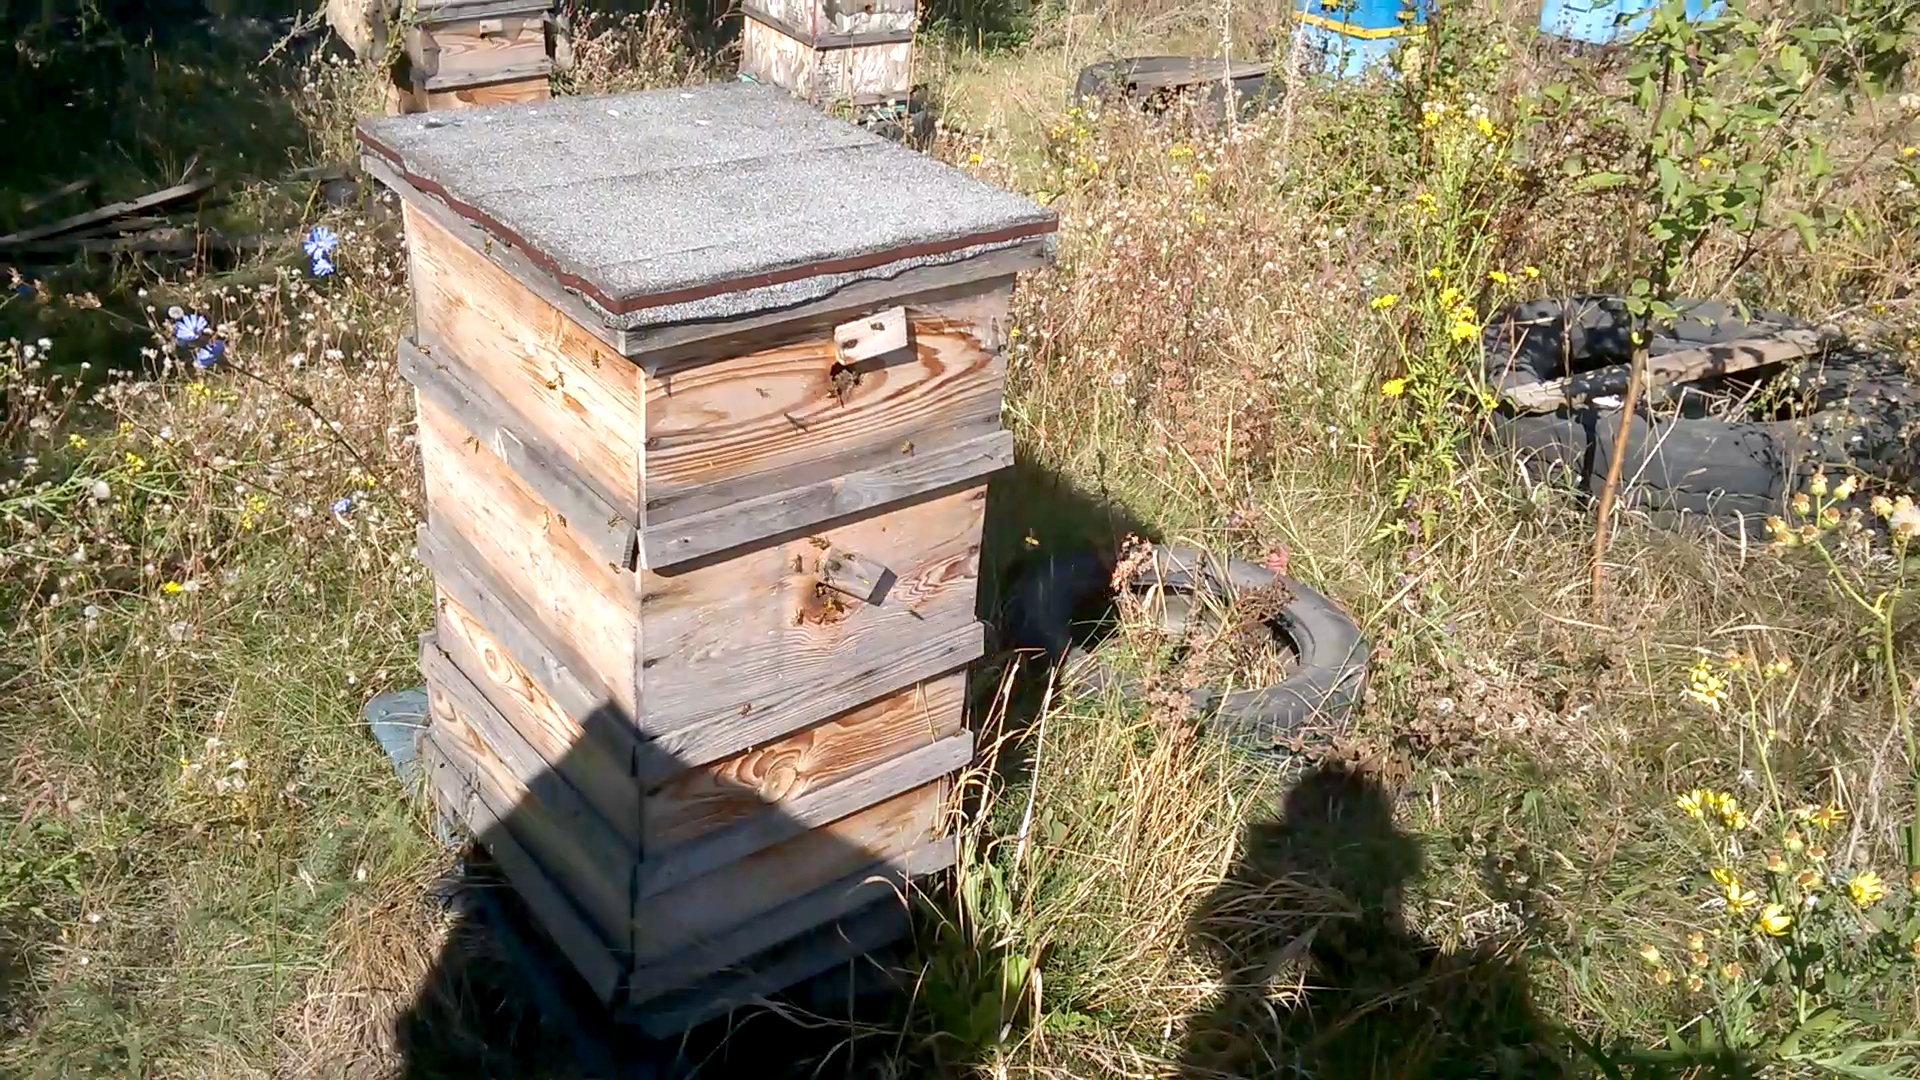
595,753
936,440
713,422
601,965
861,74
599,882
776,824
657,346
490,733
572,593
778,968
756,635
696,537
460,573
726,899
604,527
881,883
701,800
577,395
450,53
506,92
702,743
829,38
604,971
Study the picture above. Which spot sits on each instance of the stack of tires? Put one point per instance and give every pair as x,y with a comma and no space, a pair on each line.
1851,410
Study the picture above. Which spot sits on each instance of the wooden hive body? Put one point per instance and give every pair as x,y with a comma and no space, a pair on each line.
857,52
457,54
706,441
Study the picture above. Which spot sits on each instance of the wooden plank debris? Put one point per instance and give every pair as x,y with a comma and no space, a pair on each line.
166,197
1666,373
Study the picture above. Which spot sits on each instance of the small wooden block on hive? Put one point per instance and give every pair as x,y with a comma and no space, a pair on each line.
705,431
465,53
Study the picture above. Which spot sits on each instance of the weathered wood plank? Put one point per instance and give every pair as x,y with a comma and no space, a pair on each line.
573,594
872,336
460,573
714,421
832,24
595,752
447,54
577,396
603,526
785,820
866,74
597,879
744,890
752,639
780,967
507,91
686,539
1666,372
113,211
697,802
459,796
881,883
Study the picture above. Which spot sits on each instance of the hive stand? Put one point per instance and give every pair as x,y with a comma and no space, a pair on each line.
708,391
456,54
857,53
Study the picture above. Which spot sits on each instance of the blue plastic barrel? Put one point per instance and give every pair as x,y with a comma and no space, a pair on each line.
1350,37
1601,21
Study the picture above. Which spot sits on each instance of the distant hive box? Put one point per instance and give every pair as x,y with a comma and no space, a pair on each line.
1599,22
456,54
1350,37
709,390
854,52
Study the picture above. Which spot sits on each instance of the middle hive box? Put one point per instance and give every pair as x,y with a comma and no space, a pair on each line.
709,389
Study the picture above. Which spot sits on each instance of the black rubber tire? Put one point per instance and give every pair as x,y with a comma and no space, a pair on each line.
1860,413
912,130
1120,80
1330,681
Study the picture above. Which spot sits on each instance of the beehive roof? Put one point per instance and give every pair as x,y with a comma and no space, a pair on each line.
709,202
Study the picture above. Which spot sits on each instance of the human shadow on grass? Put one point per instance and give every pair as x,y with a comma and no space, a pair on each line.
1319,974
771,877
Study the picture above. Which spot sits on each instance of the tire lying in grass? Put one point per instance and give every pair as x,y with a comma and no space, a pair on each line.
1155,83
1320,692
1848,409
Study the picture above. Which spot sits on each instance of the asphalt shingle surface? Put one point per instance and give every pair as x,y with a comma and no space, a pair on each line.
710,202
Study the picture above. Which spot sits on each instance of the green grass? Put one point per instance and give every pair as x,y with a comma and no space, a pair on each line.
1448,887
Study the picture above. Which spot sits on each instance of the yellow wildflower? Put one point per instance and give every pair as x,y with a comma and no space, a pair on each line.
1532,272
135,462
1731,815
1199,218
1706,686
1384,301
1450,296
77,442
1499,277
1486,127
1773,921
1725,877
1429,117
1808,880
1909,151
1651,954
1433,273
1180,150
1706,163
1866,888
1463,330
1393,388
1740,901
973,159
1694,803
172,588
1201,177
1828,816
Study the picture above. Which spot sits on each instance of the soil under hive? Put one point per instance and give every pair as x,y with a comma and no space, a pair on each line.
709,389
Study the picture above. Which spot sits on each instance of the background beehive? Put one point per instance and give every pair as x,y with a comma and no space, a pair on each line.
857,52
705,433
460,53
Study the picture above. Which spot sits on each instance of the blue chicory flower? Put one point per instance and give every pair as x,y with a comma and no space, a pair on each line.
209,354
190,328
321,242
322,266
23,289
343,505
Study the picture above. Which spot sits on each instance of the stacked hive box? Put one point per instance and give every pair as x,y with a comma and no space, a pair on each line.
709,388
854,52
460,53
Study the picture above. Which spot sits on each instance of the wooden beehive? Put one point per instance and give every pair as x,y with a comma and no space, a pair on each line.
709,390
456,54
855,52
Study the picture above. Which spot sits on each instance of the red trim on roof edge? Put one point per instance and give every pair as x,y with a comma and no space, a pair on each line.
627,305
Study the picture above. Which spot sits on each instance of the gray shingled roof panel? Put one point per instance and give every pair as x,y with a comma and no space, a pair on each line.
647,202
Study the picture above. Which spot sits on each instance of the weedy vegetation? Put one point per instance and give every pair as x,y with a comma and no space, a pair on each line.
1668,835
